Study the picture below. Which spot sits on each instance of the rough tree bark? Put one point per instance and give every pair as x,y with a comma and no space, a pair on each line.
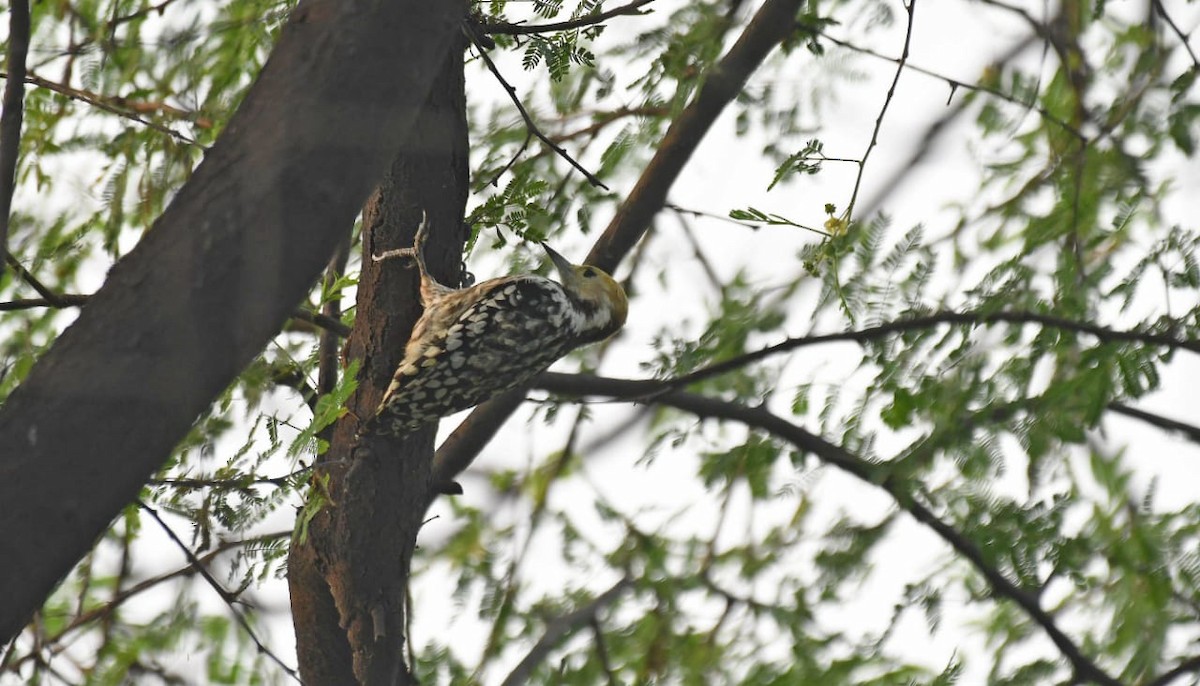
213,281
349,580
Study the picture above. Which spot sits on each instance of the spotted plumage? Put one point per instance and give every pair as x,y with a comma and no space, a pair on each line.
473,343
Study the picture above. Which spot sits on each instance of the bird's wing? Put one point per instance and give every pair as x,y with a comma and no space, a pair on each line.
509,330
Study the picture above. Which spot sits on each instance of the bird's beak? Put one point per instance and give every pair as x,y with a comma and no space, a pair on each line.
560,263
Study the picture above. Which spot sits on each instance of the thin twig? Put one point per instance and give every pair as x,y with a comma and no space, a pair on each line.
328,356
127,593
13,114
711,215
321,320
530,125
52,299
1183,37
955,84
938,127
760,418
231,484
602,652
495,180
226,596
910,8
506,29
104,103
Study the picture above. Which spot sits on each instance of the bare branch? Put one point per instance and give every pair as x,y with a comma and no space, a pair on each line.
1104,334
506,29
910,9
956,84
160,8
602,120
52,298
327,373
127,593
1188,666
62,301
530,125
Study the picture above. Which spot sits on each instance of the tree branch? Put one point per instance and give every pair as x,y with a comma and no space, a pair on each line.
1183,37
759,418
127,593
1189,431
970,318
226,596
13,112
910,9
506,29
53,299
109,104
460,448
530,125
561,628
772,24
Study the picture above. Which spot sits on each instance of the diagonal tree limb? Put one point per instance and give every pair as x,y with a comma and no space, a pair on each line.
561,628
1084,667
772,24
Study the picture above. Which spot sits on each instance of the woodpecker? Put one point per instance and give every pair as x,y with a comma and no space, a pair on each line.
472,343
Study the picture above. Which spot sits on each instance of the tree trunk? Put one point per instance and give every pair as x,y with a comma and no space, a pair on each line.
349,580
211,283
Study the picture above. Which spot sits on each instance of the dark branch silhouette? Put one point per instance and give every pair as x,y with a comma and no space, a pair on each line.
13,112
530,125
1189,431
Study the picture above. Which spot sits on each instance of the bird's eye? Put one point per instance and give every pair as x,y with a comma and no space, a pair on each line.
589,273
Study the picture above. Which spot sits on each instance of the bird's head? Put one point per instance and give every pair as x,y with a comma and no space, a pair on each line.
597,295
